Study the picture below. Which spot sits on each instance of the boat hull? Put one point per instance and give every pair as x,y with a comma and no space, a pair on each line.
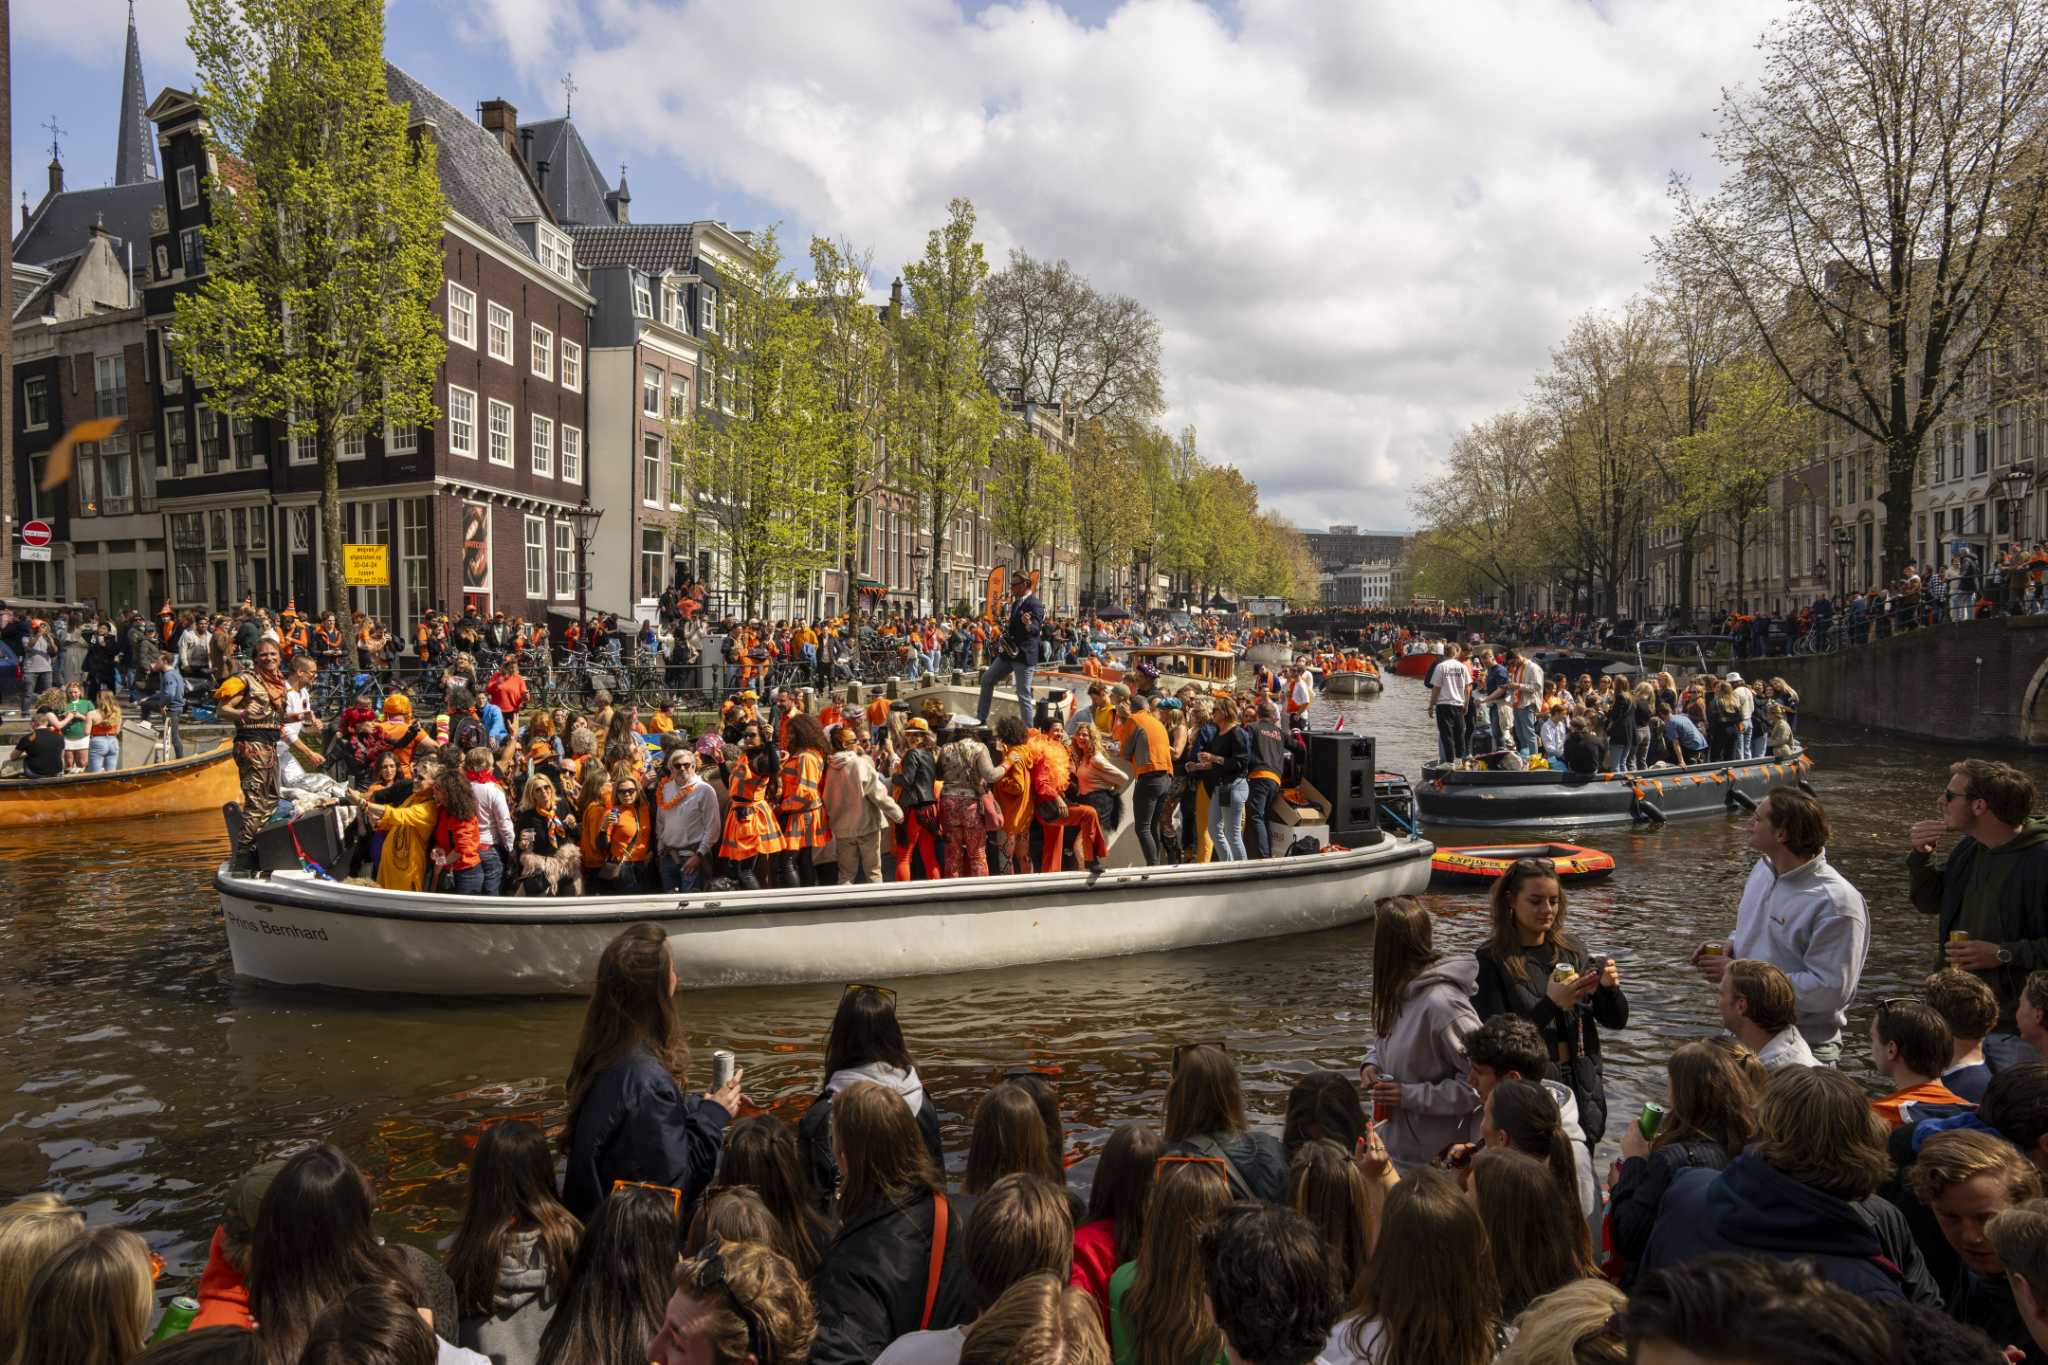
1270,654
1416,665
201,782
1550,800
1483,865
1352,684
295,930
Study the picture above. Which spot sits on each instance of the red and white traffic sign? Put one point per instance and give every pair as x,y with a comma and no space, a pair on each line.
35,533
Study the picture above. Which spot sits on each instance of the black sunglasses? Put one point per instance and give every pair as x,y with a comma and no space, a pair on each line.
886,992
1545,865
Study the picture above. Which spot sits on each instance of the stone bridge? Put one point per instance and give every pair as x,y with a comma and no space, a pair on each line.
1978,682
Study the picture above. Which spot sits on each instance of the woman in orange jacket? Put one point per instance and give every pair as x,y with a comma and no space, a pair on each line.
751,831
801,809
618,836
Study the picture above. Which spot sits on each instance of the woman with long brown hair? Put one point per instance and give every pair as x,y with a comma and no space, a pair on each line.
761,1152
1525,1116
510,1259
865,1044
1326,1186
1009,1138
89,1303
1519,973
1114,1226
1436,1303
1529,1228
1416,1068
1205,1117
313,1242
875,1283
1158,1305
1710,1116
628,1117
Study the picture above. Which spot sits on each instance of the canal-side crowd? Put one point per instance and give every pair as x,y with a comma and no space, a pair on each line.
1445,1205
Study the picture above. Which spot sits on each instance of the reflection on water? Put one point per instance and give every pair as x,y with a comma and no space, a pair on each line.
137,1077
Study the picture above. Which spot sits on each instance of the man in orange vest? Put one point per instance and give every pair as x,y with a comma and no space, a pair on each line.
1149,754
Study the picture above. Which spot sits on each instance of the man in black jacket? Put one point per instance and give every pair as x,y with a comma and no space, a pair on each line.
1267,777
1016,652
1992,888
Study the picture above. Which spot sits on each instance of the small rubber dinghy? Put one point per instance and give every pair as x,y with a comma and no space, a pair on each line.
1475,865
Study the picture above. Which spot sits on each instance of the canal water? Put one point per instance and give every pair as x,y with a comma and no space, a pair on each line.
138,1077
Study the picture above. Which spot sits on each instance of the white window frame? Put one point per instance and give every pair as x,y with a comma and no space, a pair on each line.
643,296
541,351
497,337
168,370
461,315
555,250
188,187
659,556
500,438
401,439
298,449
543,447
565,560
536,544
572,365
650,392
572,453
354,447
707,308
460,443
657,462
678,397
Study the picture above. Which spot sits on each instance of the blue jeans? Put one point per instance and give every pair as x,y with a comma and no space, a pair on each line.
674,879
468,882
1226,820
1019,669
1259,797
103,753
1617,756
1525,730
493,869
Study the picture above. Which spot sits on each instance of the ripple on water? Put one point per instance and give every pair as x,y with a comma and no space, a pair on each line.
140,1079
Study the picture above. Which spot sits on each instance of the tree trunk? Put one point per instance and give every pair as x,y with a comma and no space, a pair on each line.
331,532
1902,459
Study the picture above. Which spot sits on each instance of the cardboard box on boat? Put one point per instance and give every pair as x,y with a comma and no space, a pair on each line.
1317,812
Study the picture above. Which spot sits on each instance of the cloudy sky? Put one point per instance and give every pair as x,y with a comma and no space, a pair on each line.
1362,223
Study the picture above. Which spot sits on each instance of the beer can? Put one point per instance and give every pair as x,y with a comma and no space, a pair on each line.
1713,949
1958,936
178,1315
723,1064
1564,971
1651,1120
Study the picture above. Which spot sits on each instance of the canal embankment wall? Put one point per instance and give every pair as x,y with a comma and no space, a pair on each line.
1974,682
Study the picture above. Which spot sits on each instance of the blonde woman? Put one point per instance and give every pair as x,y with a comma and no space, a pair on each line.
103,734
89,1303
32,1229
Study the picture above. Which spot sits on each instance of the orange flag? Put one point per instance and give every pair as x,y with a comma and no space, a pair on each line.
58,471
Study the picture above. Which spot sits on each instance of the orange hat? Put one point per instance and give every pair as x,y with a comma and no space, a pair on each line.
540,748
398,704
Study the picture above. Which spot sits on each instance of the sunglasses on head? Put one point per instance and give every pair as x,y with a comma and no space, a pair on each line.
886,992
1182,1049
1544,865
1177,1159
711,1277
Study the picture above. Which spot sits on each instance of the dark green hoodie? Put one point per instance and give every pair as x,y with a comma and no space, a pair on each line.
1988,905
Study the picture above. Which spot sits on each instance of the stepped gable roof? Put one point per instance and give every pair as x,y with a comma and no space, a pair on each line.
480,179
62,222
574,187
650,247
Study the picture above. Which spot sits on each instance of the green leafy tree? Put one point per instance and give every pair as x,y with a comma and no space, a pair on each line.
1111,518
324,258
758,465
853,360
942,416
1756,432
1030,490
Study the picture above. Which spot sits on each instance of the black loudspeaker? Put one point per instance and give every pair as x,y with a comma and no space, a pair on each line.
1342,766
325,837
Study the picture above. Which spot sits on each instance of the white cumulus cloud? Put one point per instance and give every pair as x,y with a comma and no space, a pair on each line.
1362,224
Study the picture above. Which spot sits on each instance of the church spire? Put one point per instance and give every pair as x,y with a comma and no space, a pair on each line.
134,150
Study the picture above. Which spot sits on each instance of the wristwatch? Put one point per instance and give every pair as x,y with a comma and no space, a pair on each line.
2005,957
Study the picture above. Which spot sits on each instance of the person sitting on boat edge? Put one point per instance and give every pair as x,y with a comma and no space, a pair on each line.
41,749
865,1044
1801,915
1518,973
628,1118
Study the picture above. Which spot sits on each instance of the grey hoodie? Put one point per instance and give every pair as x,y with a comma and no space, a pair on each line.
1425,1051
521,1308
904,1083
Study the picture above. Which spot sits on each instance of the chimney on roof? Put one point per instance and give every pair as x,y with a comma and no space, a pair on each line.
540,176
425,129
896,298
499,117
526,145
56,177
24,210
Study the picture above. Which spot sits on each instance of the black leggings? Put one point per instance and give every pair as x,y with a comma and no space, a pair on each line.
1145,801
797,867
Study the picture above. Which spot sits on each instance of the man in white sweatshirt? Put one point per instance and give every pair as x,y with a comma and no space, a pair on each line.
1801,916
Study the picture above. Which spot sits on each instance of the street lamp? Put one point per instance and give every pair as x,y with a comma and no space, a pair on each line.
1059,580
917,559
2018,481
584,518
1845,541
1712,574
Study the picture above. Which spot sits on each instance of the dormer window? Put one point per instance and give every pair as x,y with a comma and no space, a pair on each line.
554,250
643,297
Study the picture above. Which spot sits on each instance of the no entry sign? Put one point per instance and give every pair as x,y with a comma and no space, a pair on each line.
35,533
